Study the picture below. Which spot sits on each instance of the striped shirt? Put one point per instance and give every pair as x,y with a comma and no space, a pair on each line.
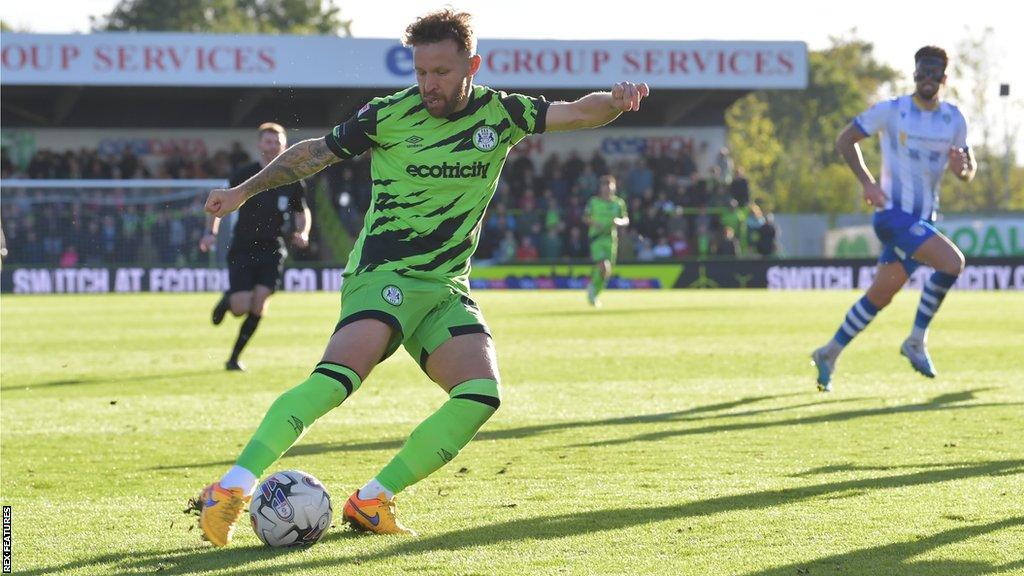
432,178
915,150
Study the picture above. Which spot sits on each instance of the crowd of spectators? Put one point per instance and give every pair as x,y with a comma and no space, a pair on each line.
676,209
108,226
101,227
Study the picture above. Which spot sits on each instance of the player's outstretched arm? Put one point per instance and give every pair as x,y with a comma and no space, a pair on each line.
300,160
596,109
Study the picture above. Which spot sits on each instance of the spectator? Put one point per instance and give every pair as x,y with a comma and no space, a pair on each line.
238,156
725,166
644,250
576,245
108,239
685,166
69,258
727,244
586,183
662,249
767,237
33,252
551,245
680,247
573,167
507,248
639,179
552,215
598,165
739,189
527,251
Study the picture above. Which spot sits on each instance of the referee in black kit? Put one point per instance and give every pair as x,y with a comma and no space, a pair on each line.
257,252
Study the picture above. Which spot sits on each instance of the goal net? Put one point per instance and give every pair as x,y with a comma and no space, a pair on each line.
104,223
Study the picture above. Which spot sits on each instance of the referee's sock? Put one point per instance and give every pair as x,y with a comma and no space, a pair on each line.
244,333
222,307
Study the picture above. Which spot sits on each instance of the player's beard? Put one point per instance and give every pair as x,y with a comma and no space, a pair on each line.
927,93
450,101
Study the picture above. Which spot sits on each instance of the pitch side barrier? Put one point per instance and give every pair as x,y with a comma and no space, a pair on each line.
805,274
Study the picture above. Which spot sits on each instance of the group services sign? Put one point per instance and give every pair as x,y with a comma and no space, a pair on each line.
172,59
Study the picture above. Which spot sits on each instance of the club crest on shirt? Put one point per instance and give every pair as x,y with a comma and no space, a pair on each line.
485,138
392,295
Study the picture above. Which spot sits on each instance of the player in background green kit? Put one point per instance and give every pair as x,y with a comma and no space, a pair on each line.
604,214
437,150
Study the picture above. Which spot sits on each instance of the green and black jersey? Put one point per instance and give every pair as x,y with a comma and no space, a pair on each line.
432,177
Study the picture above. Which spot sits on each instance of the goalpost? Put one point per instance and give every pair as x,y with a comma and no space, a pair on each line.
71,223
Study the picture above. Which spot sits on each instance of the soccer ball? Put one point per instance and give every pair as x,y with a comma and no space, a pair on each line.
290,508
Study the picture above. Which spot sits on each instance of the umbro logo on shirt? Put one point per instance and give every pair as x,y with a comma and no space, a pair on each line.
414,141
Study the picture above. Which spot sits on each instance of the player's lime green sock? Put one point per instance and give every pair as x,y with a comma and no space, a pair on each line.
439,438
597,280
295,411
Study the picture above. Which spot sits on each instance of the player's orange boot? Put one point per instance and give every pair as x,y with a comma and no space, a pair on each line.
374,515
221,509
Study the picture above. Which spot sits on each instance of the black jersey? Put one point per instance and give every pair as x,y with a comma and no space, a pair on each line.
263,218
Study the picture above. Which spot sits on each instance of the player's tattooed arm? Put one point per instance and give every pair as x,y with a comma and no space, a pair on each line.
299,161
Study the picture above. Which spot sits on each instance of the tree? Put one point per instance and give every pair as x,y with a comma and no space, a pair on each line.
752,139
225,16
972,84
784,139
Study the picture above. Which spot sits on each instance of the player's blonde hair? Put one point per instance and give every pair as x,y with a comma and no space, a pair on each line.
271,127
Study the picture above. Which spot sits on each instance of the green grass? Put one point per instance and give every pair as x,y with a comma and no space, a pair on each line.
670,432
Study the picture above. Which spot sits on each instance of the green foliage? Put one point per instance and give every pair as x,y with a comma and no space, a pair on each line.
225,16
752,138
671,432
972,79
785,139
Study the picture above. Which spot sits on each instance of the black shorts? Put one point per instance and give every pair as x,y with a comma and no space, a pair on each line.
249,268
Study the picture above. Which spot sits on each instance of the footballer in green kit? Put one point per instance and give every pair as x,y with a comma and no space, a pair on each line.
437,150
604,214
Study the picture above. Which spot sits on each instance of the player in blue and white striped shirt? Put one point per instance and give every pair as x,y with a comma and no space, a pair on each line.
920,136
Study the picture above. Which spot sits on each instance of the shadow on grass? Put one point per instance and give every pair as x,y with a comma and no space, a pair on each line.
696,413
885,559
944,402
604,312
952,401
897,558
126,379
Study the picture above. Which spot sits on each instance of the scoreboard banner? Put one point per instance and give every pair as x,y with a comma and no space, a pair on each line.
846,274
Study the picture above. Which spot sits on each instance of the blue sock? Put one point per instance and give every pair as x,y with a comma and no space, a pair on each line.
860,315
931,298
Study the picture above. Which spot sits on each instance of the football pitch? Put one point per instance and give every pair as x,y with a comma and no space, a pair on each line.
669,432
